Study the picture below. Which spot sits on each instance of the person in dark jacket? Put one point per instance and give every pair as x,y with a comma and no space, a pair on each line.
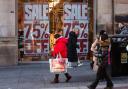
103,61
72,45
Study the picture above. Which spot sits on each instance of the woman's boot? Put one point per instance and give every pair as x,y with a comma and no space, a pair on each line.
56,79
68,77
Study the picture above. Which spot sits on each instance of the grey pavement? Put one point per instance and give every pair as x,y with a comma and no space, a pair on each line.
38,76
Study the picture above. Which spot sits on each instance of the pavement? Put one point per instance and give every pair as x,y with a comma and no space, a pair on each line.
38,76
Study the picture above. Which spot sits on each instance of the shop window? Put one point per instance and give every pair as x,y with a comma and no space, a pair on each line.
36,31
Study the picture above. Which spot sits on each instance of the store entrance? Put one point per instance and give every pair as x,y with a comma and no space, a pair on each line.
39,20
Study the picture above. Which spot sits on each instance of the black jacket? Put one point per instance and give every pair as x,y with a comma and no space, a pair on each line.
72,45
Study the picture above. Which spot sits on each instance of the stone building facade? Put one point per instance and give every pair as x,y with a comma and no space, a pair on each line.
104,15
107,13
8,34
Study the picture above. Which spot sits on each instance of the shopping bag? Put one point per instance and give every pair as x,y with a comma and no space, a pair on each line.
58,67
60,59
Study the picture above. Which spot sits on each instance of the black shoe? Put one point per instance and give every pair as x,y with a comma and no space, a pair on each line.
68,78
90,87
55,81
108,87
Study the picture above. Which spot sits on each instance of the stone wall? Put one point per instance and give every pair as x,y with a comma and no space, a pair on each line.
104,15
8,39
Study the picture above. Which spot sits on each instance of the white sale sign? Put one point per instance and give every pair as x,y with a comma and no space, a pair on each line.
75,16
36,29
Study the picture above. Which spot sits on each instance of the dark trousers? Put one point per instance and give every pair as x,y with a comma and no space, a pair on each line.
57,75
103,72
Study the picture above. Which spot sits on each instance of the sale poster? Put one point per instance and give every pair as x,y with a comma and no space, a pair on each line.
36,29
75,16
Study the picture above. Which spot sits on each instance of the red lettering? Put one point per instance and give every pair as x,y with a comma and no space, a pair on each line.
68,25
42,25
36,46
46,26
46,35
82,44
44,46
28,47
28,27
31,46
37,35
43,34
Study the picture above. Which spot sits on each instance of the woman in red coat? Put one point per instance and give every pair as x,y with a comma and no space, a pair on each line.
60,47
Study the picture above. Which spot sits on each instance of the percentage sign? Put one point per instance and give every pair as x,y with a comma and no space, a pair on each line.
45,28
83,26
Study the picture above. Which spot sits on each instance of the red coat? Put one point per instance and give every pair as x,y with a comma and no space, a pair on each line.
60,47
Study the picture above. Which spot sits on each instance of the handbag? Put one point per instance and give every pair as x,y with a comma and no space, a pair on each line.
58,64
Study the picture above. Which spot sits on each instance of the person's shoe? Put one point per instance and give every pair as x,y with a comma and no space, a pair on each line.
90,87
68,78
108,87
55,81
80,64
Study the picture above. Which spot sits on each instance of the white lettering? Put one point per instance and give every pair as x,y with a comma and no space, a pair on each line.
28,13
67,11
35,12
45,11
39,12
75,11
85,10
